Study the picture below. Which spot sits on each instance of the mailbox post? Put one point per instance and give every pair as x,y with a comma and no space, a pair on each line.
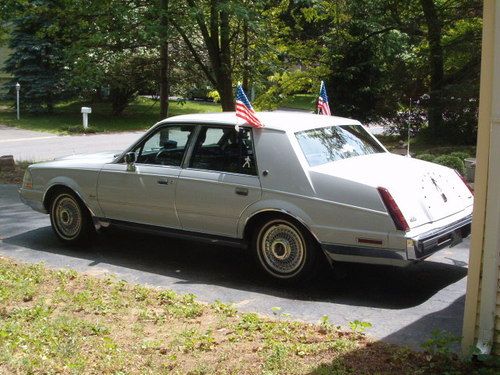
85,113
18,88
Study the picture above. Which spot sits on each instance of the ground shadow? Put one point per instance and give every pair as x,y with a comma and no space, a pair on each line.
195,263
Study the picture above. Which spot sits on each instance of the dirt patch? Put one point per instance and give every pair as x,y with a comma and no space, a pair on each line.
13,175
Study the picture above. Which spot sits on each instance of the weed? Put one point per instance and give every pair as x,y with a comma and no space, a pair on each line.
276,359
191,340
359,326
441,342
224,309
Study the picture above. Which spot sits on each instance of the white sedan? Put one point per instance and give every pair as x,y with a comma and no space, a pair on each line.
302,190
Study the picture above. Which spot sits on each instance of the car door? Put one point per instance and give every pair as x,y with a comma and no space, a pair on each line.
220,180
145,194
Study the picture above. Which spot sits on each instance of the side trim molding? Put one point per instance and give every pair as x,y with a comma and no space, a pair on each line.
178,233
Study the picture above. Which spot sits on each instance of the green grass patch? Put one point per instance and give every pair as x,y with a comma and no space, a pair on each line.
68,323
305,102
140,115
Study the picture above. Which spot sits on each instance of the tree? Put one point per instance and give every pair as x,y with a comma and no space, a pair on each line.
38,59
219,25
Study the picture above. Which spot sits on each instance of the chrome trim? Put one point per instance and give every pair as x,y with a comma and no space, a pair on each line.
364,251
434,240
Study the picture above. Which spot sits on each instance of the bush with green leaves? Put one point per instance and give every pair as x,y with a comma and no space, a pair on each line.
460,154
451,162
426,157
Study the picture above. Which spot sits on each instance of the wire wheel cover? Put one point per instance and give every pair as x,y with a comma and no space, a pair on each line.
67,217
282,248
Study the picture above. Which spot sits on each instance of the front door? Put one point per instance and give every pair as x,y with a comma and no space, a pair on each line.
145,194
219,182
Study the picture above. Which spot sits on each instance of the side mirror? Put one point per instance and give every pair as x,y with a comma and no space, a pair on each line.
130,158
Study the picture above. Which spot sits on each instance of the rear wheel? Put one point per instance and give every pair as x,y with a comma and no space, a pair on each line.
70,218
284,250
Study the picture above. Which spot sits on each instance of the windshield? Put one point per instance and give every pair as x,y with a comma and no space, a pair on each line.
324,145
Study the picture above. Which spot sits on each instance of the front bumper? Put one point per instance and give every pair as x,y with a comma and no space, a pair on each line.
418,247
33,199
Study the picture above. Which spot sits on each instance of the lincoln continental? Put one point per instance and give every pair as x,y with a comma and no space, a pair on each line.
302,190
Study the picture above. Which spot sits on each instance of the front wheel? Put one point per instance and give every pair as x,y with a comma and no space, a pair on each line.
284,250
70,218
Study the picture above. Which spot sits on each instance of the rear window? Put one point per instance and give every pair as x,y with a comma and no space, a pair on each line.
324,145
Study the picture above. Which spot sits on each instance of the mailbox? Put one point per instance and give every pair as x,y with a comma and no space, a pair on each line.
85,112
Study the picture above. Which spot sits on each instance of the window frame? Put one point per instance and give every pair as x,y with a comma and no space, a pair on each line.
146,137
187,159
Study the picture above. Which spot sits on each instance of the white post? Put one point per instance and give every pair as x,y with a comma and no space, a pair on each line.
85,113
408,144
18,88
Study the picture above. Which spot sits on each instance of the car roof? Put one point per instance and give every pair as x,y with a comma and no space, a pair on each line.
278,120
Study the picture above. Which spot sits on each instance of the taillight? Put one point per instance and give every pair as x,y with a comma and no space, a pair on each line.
465,182
393,209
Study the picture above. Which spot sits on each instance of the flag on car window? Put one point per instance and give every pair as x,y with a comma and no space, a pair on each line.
322,105
244,109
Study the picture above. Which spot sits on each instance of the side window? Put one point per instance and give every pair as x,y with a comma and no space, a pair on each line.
166,146
224,149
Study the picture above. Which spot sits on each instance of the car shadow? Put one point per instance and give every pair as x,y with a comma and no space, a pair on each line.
191,262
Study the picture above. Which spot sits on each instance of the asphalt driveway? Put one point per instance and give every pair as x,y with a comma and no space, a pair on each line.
404,304
27,145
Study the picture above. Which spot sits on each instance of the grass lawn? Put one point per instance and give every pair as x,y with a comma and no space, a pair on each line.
141,114
59,321
301,101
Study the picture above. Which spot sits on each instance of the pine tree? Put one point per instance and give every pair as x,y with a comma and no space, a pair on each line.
37,60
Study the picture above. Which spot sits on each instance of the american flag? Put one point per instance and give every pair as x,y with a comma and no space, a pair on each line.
244,109
322,105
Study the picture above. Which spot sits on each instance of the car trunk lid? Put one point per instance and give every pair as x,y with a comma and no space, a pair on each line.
424,192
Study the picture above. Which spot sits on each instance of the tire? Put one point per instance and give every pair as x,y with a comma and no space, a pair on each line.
70,218
284,251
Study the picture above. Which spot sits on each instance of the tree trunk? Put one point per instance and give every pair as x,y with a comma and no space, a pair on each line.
164,60
224,73
246,63
164,81
434,32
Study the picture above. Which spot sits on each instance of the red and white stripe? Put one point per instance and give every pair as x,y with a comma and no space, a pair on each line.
243,112
323,107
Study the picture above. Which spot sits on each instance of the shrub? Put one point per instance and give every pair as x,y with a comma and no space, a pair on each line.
451,162
426,157
460,154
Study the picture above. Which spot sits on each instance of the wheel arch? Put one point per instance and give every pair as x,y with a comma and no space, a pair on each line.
271,213
60,186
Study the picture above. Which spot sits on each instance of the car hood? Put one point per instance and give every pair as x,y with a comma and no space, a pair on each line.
425,192
105,157
80,161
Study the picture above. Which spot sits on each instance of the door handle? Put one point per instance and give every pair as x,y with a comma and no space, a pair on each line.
241,191
163,182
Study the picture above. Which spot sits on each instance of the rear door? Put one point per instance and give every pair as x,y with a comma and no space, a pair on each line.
145,194
220,180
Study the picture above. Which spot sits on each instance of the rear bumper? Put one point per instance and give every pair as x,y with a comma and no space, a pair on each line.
418,247
427,243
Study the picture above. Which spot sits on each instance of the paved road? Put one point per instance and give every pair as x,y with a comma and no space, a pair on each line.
404,305
28,145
